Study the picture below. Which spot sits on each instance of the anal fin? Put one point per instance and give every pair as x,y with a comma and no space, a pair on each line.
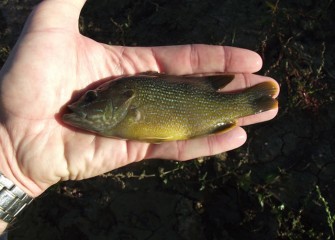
224,127
157,140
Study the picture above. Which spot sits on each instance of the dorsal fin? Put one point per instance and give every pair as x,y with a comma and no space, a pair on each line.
218,82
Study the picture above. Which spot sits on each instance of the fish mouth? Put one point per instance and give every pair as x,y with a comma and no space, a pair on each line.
71,118
75,116
80,121
77,111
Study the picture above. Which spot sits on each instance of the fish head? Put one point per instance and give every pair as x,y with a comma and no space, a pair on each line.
99,110
89,111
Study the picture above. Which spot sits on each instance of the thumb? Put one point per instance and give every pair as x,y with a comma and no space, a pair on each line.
55,14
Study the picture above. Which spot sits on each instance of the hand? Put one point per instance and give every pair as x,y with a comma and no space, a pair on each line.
52,60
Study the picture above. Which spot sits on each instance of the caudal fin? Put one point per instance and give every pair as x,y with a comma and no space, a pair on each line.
261,97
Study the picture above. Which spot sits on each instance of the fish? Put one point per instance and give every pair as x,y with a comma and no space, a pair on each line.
157,107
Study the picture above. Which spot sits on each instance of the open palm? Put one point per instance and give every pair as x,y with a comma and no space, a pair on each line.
52,60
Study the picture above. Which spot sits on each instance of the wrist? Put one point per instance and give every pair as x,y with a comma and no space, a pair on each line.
12,192
12,199
8,174
3,226
10,169
20,181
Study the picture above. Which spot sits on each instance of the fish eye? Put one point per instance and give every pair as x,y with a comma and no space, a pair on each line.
90,96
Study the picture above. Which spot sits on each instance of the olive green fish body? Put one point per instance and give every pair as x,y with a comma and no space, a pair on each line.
156,108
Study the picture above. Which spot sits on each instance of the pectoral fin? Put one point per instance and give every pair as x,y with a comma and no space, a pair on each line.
120,107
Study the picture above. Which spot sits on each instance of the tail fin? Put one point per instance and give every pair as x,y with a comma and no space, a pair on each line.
261,96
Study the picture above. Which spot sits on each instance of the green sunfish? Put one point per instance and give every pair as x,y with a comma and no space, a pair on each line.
158,107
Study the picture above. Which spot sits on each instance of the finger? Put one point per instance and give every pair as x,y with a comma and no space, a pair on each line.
186,59
261,117
55,14
205,146
198,58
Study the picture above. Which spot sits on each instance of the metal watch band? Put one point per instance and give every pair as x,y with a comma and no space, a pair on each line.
12,199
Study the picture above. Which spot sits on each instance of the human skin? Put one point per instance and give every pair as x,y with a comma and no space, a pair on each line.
52,60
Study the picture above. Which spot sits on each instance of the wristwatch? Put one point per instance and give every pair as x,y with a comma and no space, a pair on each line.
12,199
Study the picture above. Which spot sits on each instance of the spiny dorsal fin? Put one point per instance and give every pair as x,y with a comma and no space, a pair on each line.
151,73
215,82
